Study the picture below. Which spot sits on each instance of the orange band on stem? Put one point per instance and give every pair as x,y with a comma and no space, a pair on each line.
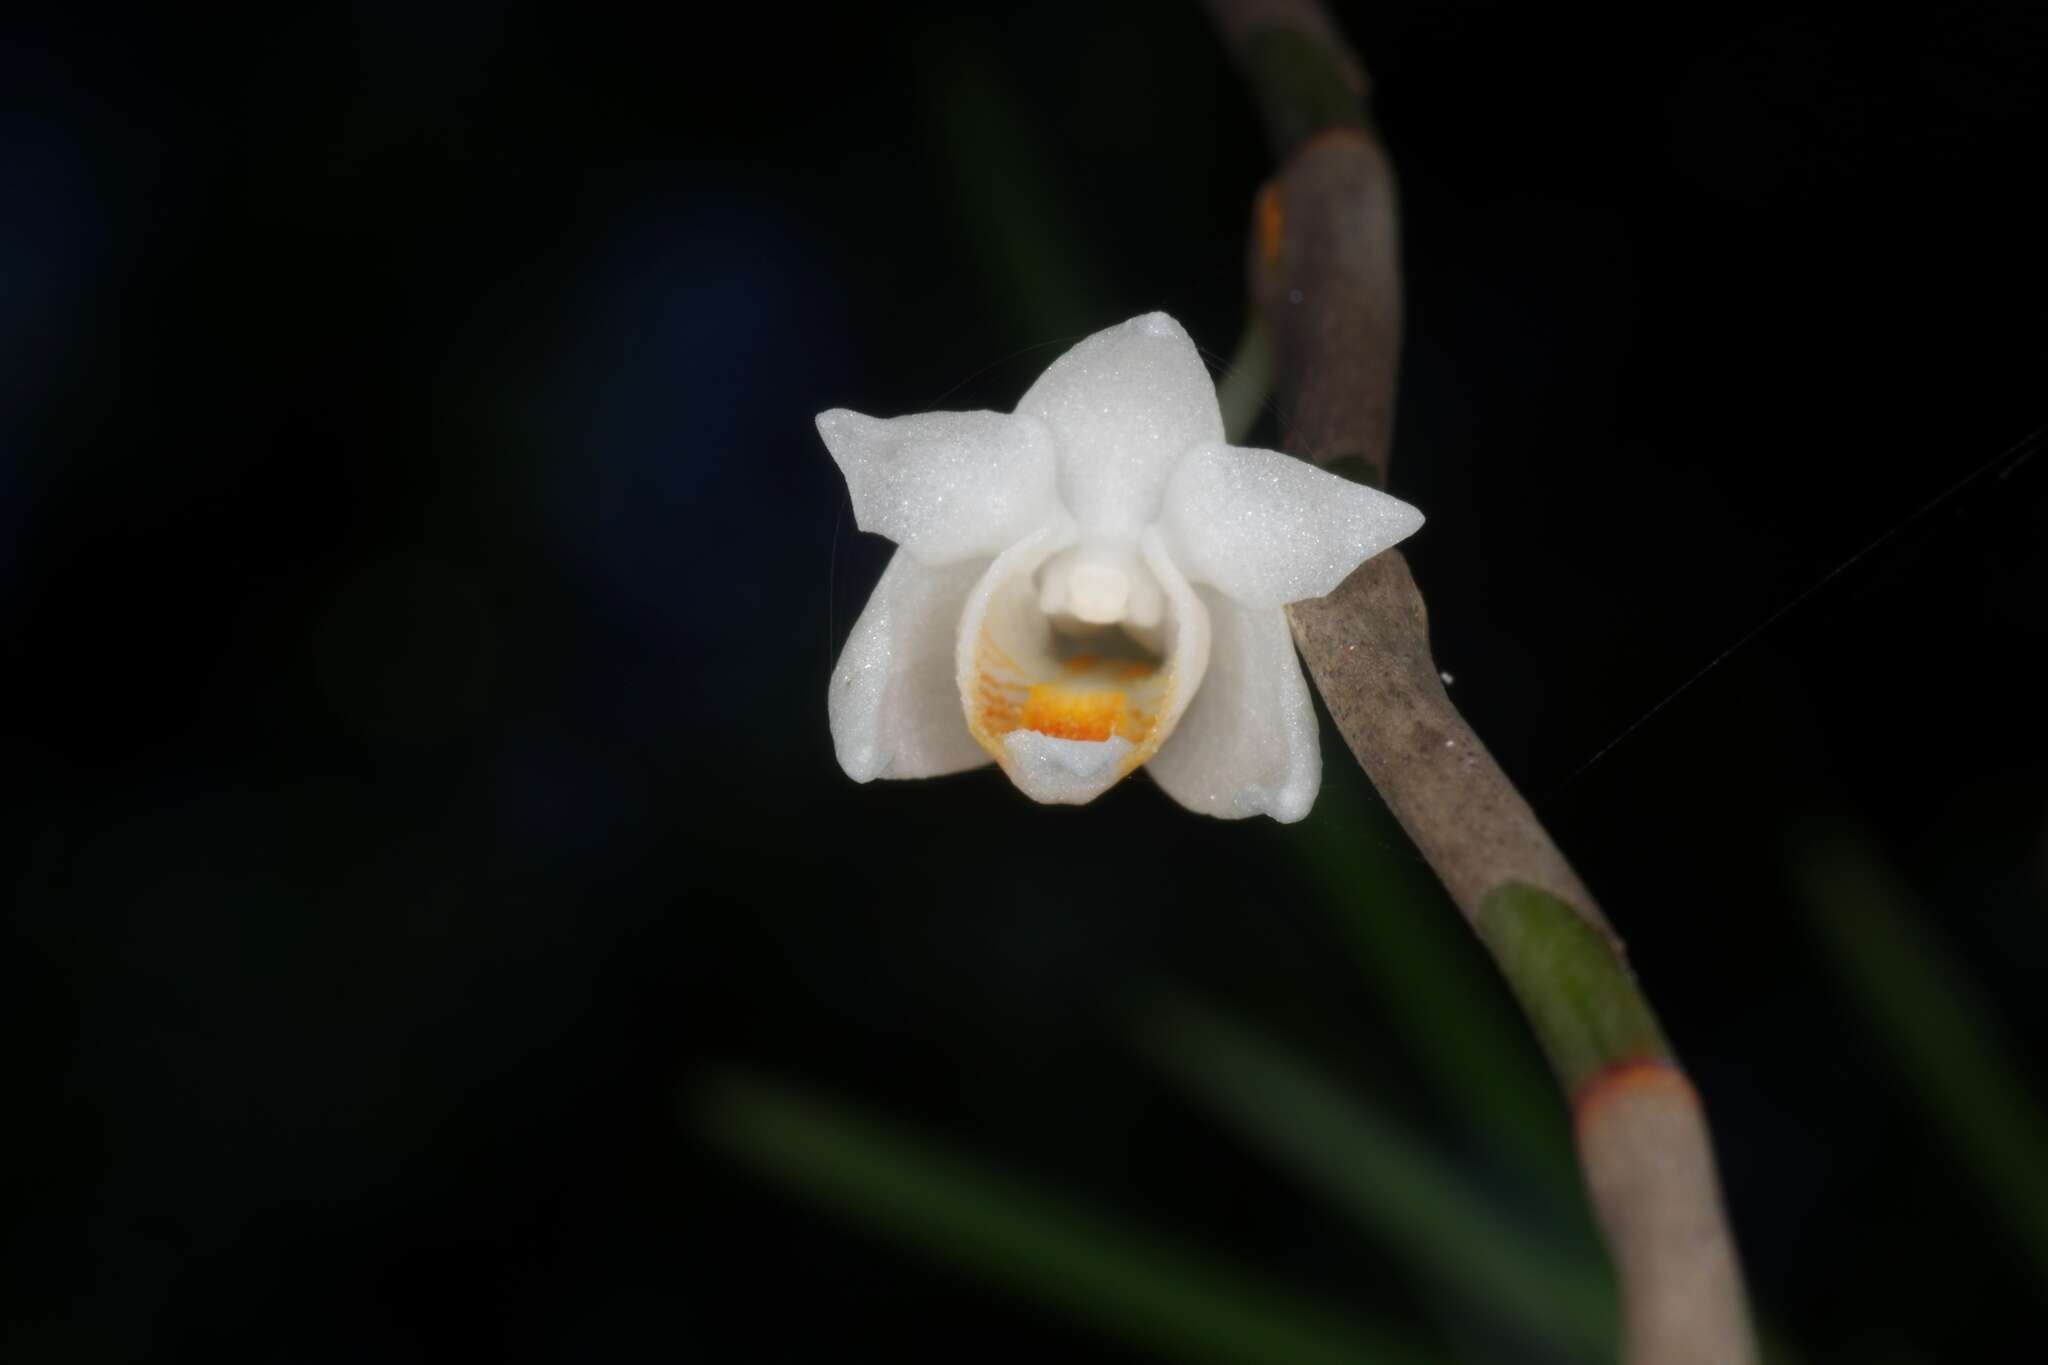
1628,1077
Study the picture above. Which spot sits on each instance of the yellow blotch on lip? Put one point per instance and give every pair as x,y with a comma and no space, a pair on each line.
1024,676
1091,703
1052,709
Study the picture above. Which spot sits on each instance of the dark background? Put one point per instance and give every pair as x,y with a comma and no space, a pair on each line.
421,577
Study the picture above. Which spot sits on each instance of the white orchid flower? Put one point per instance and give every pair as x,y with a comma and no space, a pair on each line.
1094,583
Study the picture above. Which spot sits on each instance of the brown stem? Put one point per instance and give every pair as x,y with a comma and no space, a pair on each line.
1325,278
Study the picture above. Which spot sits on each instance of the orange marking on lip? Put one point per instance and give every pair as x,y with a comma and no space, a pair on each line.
1064,713
989,651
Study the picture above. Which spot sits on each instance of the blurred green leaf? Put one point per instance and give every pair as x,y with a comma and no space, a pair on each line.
1243,388
1922,1006
1396,1188
1130,1284
989,144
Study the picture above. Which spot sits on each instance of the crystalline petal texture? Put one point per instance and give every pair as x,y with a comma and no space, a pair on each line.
1125,406
1267,529
946,486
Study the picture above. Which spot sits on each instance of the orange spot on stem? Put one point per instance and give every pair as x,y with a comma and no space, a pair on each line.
1271,213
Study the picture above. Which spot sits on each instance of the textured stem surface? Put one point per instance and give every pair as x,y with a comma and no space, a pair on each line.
1325,280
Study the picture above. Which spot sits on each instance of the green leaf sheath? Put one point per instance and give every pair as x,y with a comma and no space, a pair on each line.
1300,87
1415,953
1572,983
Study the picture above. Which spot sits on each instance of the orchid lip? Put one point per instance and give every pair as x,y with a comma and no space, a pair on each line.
1036,659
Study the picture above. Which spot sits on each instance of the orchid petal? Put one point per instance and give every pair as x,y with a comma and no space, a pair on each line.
1248,744
1124,406
893,708
946,486
1267,529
